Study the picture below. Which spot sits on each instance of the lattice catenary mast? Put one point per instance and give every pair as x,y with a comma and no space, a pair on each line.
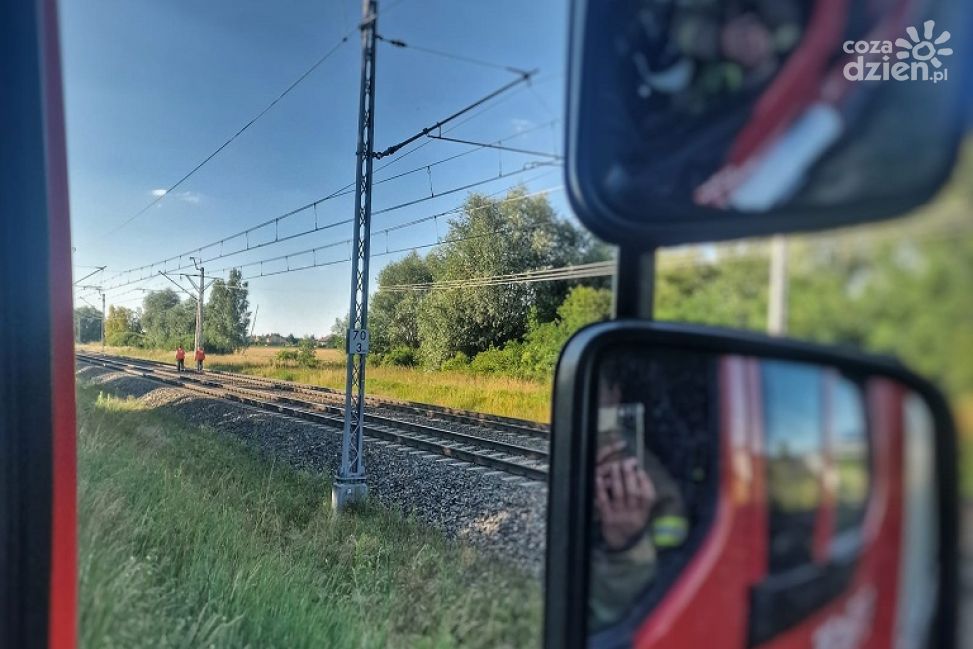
350,487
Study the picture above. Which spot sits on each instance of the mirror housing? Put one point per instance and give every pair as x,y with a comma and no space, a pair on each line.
705,121
772,609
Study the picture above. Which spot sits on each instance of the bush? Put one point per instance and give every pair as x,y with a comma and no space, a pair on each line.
504,360
401,356
458,361
305,355
124,339
285,358
536,356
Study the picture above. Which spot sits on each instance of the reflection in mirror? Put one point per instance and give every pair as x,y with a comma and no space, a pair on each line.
654,475
702,108
782,494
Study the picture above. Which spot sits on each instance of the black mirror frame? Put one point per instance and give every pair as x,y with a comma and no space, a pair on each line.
569,482
697,224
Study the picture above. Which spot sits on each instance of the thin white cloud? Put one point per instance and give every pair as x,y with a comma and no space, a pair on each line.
520,124
189,197
184,196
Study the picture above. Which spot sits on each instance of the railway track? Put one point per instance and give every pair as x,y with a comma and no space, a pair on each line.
523,427
474,444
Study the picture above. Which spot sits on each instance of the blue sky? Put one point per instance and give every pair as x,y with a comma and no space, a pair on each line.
153,87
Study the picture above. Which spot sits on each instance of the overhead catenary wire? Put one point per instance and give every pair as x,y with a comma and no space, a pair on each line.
672,260
425,219
570,272
533,83
685,258
497,145
92,273
395,42
248,247
238,133
313,205
525,77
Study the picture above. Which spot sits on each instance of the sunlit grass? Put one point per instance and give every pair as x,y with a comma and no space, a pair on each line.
118,404
188,539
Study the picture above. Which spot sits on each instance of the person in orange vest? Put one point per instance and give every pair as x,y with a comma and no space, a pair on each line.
180,359
200,357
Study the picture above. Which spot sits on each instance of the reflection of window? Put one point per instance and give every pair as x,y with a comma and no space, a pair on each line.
850,454
792,398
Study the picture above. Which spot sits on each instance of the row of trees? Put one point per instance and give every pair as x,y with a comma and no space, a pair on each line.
908,293
165,321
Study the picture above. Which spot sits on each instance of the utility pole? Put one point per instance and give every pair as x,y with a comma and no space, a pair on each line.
349,486
777,291
103,314
253,325
200,288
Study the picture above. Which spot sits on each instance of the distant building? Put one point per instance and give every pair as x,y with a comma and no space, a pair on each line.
269,340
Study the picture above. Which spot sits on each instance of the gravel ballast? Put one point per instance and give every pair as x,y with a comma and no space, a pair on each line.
499,513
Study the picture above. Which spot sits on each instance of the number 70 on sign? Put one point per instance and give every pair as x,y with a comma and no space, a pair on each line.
358,341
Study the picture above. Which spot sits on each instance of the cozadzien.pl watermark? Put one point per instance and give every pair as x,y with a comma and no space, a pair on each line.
916,58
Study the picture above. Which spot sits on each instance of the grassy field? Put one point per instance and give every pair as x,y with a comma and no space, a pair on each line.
187,539
491,394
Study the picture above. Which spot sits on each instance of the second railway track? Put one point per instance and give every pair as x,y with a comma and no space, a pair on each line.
503,444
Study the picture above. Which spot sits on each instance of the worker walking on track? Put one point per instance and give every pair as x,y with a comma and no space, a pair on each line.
180,359
200,357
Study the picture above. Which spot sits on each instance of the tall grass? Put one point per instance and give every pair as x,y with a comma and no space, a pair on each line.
188,539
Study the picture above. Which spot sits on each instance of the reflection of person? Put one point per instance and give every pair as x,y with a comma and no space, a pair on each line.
691,74
639,511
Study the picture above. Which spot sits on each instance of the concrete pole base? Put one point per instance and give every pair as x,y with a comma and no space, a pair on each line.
345,493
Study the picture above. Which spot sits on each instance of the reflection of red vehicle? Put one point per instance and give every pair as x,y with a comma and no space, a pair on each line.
816,539
802,113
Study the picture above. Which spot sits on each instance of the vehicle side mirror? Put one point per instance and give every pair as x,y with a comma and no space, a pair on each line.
698,121
726,490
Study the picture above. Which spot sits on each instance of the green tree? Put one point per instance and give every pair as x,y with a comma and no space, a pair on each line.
166,321
393,316
227,317
339,332
924,312
496,237
87,324
728,291
122,327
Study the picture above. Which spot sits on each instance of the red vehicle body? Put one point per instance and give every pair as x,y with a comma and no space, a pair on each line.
38,565
863,603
